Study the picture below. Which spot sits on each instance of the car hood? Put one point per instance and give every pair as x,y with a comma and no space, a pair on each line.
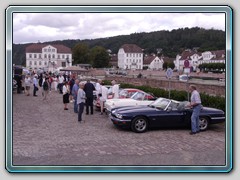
135,109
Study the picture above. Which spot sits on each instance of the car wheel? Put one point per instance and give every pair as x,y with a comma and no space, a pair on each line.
139,124
203,123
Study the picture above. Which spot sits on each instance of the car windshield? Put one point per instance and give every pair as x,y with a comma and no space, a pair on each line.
160,103
138,96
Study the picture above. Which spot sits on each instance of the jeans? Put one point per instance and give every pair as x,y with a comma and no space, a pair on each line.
75,105
195,118
80,111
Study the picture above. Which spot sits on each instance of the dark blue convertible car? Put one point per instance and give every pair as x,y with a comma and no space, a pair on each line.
163,113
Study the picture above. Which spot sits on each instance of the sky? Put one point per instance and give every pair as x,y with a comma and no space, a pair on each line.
43,27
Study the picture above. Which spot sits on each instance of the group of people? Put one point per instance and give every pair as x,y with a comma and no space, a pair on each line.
82,95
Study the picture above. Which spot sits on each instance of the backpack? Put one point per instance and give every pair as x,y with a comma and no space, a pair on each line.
45,86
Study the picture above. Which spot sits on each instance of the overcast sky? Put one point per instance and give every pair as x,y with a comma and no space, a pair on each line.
34,27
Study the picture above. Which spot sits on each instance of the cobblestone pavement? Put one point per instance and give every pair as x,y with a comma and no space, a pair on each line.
45,134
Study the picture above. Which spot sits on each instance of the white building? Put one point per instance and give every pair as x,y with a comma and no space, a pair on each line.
153,62
197,58
130,56
48,57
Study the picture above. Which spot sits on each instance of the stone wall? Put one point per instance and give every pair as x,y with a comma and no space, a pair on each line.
216,90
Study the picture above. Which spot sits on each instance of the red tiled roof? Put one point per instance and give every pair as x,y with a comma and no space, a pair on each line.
186,55
37,48
148,59
131,48
219,55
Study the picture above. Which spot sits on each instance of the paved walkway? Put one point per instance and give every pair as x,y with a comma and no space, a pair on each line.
45,134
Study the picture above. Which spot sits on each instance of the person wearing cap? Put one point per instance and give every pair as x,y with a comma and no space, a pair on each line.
35,85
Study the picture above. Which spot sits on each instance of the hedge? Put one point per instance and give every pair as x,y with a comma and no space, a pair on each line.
207,100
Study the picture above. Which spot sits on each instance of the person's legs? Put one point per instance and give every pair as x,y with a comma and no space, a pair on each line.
198,109
91,105
80,111
193,120
75,106
87,106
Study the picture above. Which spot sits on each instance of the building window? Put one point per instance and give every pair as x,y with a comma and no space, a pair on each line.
45,56
45,63
63,64
53,56
63,56
49,56
35,56
40,56
58,56
30,55
53,50
49,50
40,63
35,63
30,63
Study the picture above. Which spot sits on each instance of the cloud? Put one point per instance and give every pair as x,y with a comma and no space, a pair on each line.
31,27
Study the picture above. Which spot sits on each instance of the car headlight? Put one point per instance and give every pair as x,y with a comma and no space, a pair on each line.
113,111
119,116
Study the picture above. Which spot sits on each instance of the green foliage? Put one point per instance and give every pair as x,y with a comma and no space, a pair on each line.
212,67
99,57
80,53
207,100
171,42
168,65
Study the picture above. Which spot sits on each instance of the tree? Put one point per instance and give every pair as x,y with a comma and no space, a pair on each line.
80,54
99,57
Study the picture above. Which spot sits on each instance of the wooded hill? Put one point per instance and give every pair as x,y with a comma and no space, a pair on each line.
170,43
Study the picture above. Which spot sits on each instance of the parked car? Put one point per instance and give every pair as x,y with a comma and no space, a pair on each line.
124,93
138,98
184,77
163,113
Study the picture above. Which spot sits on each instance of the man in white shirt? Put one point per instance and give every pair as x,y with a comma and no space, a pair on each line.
60,83
103,97
98,87
115,90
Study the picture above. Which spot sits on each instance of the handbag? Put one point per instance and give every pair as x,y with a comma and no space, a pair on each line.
100,94
36,88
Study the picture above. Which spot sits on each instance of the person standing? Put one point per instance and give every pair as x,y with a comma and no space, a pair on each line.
46,88
195,104
65,91
27,83
103,97
89,88
81,98
98,87
35,85
54,83
60,83
74,94
115,90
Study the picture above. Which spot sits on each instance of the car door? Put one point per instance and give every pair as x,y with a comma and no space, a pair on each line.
169,117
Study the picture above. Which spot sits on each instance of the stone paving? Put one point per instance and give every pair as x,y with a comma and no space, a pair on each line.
45,134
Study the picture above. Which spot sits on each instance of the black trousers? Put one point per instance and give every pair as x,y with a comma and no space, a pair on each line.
34,90
80,111
89,103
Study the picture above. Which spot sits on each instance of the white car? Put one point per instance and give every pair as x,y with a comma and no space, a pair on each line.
138,98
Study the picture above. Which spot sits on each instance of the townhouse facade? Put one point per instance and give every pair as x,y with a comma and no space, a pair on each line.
153,62
197,58
48,57
130,56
